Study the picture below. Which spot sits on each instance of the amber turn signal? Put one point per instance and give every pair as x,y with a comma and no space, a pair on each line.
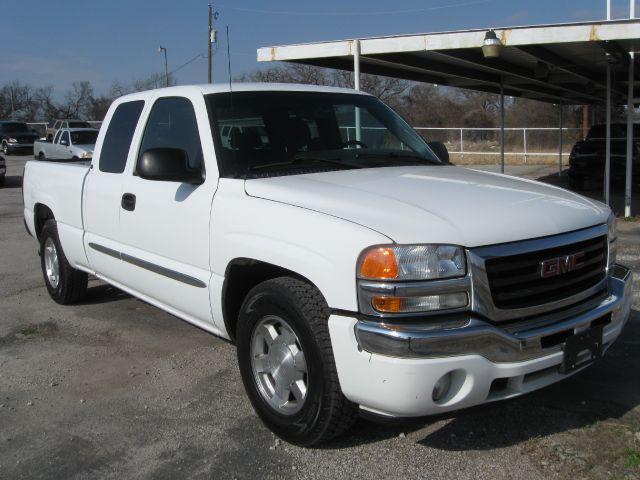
379,263
387,304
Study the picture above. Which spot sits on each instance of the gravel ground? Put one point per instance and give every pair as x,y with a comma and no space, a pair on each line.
115,388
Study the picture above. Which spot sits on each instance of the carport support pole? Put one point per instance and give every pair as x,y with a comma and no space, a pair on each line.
628,173
501,126
356,84
560,140
607,155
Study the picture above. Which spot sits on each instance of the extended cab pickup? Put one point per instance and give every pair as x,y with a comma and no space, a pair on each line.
352,267
68,144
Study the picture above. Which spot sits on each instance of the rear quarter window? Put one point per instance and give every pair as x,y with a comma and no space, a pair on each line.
117,140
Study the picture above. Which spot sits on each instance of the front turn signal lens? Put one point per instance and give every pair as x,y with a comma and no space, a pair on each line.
379,264
429,303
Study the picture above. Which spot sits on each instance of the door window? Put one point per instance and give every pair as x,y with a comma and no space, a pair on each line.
57,137
65,137
172,124
117,140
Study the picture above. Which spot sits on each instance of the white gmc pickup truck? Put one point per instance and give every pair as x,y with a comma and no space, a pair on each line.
353,267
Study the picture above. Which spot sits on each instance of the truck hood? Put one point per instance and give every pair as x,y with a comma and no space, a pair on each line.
437,204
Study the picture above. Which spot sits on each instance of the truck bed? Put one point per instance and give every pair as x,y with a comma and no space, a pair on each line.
59,186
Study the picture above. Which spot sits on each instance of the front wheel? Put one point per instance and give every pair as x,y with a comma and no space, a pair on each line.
5,148
287,364
64,283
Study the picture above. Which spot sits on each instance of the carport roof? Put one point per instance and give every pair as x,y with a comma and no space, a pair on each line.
559,63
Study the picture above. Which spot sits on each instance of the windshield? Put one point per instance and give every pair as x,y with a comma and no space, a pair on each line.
79,124
282,133
84,138
16,127
618,131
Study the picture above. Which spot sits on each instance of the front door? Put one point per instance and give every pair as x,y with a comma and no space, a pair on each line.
164,226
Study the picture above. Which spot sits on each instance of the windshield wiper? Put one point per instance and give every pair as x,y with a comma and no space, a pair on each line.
300,159
408,156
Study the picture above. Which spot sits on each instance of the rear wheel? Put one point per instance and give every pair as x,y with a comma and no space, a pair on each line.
5,148
1,180
287,364
64,283
42,156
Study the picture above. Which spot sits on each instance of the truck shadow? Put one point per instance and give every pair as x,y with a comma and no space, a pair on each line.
103,293
601,392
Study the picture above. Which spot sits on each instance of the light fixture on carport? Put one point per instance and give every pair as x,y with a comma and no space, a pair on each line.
491,46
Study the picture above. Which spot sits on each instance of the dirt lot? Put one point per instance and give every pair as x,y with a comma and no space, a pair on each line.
114,388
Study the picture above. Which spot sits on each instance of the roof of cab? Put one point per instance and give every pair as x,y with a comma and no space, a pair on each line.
205,89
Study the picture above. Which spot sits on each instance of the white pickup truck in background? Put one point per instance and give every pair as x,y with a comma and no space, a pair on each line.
68,144
351,266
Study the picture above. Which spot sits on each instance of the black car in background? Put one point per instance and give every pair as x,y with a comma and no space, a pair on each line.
587,158
16,137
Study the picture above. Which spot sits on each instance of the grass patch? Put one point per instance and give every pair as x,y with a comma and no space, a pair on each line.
633,458
29,331
633,219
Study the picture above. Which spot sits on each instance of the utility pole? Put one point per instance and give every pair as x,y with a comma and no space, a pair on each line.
166,67
210,41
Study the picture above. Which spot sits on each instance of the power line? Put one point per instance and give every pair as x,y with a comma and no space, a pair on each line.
200,55
352,14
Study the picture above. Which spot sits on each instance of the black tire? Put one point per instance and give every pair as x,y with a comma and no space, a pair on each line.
325,413
72,283
5,149
42,157
2,181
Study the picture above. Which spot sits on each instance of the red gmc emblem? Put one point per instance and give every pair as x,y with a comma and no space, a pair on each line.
560,265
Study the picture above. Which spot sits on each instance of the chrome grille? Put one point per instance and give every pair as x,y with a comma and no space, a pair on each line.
515,281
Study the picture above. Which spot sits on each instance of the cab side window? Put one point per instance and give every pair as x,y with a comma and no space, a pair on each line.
172,124
65,138
117,140
57,137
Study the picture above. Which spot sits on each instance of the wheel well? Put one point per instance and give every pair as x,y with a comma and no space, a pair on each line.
241,276
41,214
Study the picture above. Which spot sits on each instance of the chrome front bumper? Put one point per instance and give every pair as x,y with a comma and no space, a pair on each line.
466,334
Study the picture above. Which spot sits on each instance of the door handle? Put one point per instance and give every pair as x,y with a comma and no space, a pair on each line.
128,202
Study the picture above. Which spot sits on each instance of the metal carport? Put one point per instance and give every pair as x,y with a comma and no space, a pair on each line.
567,64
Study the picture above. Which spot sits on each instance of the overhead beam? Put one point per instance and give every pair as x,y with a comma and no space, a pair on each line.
558,62
461,74
500,67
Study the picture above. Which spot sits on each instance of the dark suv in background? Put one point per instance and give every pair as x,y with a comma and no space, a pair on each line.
16,137
587,159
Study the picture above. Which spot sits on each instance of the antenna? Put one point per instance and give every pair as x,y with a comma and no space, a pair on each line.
229,62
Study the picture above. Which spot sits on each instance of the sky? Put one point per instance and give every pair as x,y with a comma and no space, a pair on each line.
57,43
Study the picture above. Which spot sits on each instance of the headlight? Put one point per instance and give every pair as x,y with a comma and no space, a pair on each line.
86,154
389,279
613,239
412,262
12,140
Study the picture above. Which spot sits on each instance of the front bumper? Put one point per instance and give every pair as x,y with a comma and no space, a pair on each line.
392,369
15,147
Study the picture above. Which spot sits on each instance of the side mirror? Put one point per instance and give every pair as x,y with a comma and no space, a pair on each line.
440,150
64,142
169,165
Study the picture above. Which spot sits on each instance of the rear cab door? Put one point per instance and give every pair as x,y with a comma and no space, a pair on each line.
103,187
164,226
